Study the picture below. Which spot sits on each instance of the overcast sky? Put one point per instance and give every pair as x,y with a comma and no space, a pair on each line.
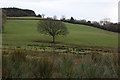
93,10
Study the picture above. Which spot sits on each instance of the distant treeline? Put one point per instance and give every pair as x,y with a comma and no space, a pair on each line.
17,12
114,27
105,24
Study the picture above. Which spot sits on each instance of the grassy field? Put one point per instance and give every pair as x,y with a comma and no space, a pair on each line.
27,17
24,32
60,60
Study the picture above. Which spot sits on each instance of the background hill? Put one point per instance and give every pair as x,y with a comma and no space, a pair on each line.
17,12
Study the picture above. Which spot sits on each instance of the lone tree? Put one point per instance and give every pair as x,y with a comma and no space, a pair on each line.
52,28
105,21
63,18
43,15
55,17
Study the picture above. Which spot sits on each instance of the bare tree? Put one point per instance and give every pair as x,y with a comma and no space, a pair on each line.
55,17
105,21
52,28
83,21
63,18
43,15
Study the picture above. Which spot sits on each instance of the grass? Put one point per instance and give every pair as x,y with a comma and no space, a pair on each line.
49,65
39,59
27,17
23,32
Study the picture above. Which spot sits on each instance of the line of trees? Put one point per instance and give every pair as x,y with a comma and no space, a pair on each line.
104,24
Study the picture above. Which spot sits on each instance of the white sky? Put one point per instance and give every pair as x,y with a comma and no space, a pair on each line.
93,10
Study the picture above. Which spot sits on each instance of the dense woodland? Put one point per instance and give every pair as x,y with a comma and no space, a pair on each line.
17,12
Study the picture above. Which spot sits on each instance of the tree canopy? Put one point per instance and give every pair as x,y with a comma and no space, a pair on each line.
17,12
52,27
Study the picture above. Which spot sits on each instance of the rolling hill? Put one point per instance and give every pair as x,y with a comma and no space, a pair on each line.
24,32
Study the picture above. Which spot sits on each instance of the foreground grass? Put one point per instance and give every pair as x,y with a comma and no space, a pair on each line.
27,64
24,32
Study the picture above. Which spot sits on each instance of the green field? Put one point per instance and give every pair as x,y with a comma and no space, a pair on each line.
47,59
27,17
23,32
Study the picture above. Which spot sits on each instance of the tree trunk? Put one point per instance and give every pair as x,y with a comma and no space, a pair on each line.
53,39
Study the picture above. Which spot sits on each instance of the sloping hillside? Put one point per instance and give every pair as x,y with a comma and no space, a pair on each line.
23,32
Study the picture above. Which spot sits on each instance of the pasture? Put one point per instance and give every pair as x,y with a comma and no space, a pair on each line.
86,52
24,32
27,17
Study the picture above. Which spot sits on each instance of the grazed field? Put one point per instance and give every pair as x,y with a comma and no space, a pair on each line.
27,17
86,52
24,32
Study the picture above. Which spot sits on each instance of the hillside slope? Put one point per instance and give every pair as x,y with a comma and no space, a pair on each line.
24,32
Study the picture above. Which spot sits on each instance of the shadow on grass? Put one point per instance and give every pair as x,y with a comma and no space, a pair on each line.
47,42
